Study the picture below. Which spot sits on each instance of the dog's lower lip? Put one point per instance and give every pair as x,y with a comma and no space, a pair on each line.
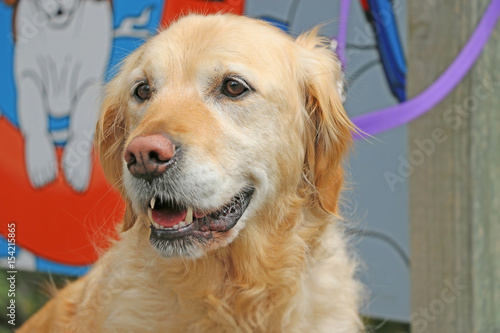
204,225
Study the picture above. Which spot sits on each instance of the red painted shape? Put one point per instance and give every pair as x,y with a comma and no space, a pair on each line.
54,222
365,5
173,9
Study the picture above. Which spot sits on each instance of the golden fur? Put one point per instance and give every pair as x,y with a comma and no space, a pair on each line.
284,267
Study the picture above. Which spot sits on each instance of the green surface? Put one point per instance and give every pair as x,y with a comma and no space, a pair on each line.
32,291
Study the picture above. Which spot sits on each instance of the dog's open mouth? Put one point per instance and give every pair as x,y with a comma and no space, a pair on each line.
171,221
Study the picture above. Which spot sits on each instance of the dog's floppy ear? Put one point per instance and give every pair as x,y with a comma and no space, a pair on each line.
110,138
329,131
111,131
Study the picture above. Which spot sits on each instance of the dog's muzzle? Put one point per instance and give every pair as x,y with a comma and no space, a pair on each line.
171,221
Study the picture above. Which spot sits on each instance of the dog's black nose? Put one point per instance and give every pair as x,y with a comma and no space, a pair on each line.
149,156
59,11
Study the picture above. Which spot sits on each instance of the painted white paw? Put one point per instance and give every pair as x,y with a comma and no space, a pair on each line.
25,260
41,161
77,163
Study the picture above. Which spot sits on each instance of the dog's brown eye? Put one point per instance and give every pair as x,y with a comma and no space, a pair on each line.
233,88
142,91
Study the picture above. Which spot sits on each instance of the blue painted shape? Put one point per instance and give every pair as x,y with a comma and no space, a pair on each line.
123,46
7,87
389,46
4,247
47,266
277,23
58,123
44,265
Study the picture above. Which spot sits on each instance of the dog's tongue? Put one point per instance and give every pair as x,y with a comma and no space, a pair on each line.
168,217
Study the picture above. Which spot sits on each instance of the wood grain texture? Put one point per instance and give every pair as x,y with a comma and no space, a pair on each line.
485,174
455,181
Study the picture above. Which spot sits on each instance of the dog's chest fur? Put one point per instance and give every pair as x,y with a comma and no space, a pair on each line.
289,293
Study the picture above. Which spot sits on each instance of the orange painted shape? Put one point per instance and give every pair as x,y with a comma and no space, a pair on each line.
54,222
175,8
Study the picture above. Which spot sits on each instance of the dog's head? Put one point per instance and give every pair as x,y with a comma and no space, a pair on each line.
57,12
217,119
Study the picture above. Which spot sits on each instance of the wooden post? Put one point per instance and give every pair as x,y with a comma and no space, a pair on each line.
454,167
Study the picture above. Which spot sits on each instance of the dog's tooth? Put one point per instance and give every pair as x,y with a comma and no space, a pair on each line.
176,226
152,203
182,224
150,215
189,215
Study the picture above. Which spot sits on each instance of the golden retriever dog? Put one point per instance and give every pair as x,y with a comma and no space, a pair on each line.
225,138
